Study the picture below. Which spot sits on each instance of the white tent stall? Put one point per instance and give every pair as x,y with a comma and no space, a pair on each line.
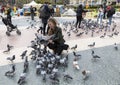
27,7
69,12
32,3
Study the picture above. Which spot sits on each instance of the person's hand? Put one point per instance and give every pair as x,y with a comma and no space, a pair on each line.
51,41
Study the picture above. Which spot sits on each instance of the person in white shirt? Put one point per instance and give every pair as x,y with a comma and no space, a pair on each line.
100,14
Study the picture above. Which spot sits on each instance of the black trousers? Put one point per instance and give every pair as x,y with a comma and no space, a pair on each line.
104,15
57,48
32,16
78,22
9,18
44,28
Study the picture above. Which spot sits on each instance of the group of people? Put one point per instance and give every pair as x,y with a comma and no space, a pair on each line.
52,28
105,12
46,16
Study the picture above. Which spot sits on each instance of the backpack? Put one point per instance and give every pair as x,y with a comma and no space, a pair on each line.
112,10
43,12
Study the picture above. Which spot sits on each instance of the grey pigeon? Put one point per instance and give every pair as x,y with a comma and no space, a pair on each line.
8,48
92,45
74,47
11,58
23,54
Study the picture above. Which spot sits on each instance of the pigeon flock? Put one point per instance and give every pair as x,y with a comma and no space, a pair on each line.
49,65
90,28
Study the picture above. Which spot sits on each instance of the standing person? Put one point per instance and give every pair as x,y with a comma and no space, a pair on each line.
56,43
52,11
2,9
32,12
9,10
110,11
100,14
104,8
44,15
14,9
79,13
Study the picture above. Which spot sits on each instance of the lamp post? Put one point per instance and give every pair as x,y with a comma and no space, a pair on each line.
55,2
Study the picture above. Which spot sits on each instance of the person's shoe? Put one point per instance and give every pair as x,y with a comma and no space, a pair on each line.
65,47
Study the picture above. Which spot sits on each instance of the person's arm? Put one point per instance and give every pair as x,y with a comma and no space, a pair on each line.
57,36
84,11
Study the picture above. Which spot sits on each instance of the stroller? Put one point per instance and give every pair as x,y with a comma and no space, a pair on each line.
10,26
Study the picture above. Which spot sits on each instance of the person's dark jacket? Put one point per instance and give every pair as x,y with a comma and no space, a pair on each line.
109,11
8,12
9,15
80,11
31,10
47,14
58,37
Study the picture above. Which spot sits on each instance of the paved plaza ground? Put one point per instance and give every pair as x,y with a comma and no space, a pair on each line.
105,71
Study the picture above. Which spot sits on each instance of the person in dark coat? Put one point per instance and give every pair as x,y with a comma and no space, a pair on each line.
56,43
32,12
9,14
45,17
79,13
110,13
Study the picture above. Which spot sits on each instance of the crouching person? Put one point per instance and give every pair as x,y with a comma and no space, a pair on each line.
56,42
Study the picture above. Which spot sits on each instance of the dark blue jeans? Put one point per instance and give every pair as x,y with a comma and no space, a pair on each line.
110,20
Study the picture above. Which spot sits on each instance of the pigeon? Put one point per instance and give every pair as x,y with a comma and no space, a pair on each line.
8,48
97,31
103,35
23,54
75,30
116,33
77,56
27,20
92,45
92,33
86,32
80,34
110,35
93,52
66,76
75,64
11,72
64,29
68,33
26,64
74,47
43,75
54,79
115,46
85,74
22,78
96,56
113,29
11,58
41,28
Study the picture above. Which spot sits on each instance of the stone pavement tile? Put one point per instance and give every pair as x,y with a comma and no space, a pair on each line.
105,71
